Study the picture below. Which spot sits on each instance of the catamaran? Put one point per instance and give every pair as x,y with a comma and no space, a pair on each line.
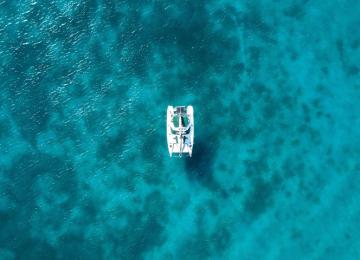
180,130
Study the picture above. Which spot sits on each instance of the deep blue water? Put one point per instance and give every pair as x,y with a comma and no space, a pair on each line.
84,167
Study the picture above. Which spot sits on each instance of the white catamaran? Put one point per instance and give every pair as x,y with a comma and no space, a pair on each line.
180,130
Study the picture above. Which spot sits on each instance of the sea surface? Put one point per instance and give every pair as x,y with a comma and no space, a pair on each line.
84,167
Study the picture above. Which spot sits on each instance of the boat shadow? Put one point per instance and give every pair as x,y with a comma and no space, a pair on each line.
200,167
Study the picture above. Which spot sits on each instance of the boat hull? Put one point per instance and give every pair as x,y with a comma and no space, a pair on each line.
180,130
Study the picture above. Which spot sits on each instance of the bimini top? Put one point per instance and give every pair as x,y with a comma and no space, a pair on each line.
180,130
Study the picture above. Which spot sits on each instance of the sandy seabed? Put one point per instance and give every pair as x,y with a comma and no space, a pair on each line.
84,167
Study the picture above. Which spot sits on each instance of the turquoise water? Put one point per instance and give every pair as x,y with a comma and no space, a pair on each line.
85,172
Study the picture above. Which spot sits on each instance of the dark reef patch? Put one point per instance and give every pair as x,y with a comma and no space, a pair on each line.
196,247
253,20
220,239
71,245
29,248
156,206
296,11
259,199
151,175
295,234
26,178
29,96
235,126
150,148
112,146
142,233
30,167
256,168
4,128
265,182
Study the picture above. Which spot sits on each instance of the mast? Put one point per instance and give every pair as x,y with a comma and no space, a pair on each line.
180,131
